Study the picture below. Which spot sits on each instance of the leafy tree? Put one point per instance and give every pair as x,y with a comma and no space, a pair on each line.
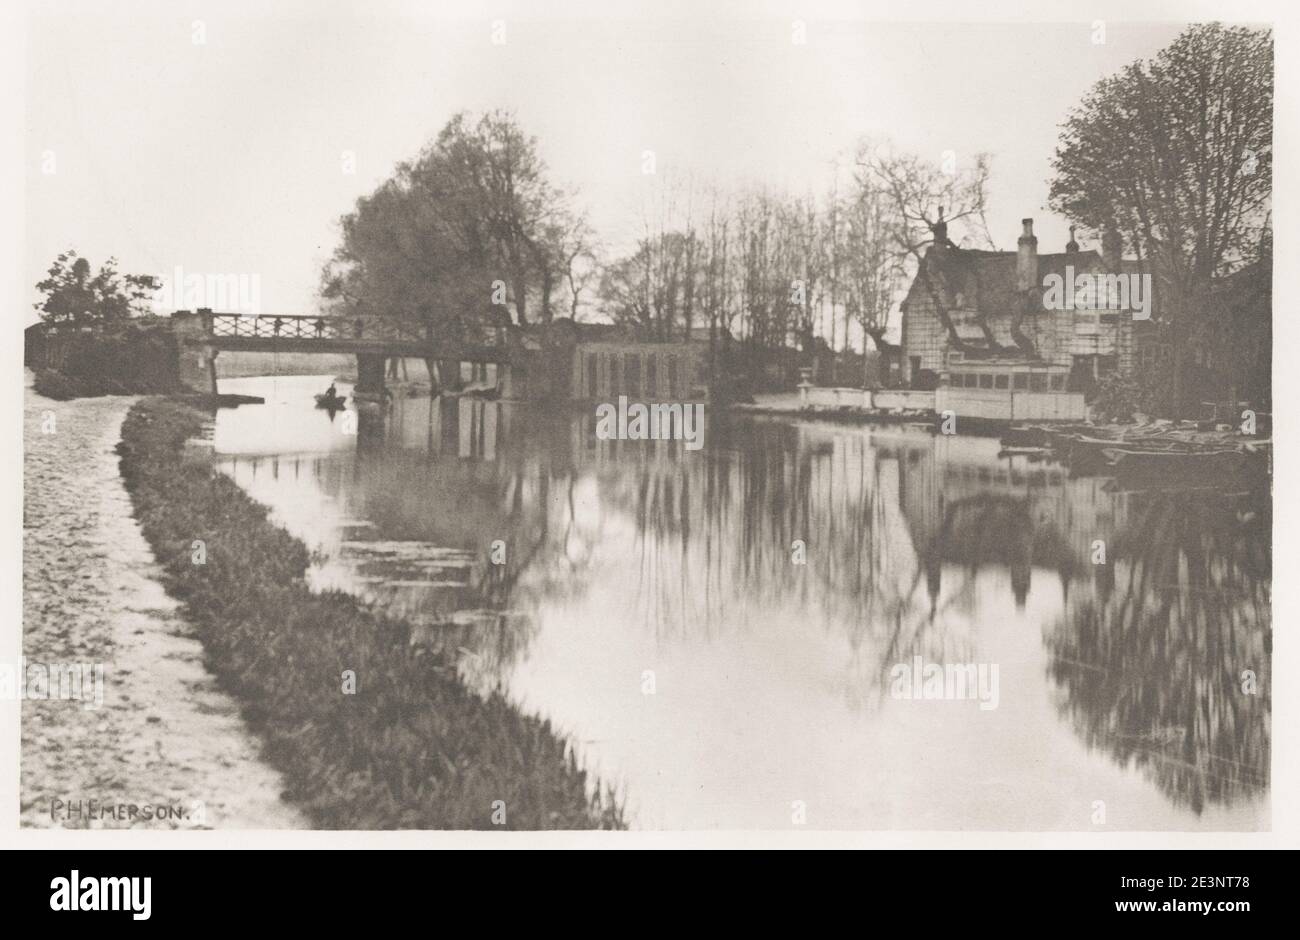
1176,155
467,234
73,296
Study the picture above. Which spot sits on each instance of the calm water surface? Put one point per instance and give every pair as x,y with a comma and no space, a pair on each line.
638,566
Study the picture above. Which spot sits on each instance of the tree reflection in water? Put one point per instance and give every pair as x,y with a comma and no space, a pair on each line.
903,532
1151,667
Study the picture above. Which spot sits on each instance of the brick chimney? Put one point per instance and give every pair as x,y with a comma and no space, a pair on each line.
1027,257
940,231
1112,249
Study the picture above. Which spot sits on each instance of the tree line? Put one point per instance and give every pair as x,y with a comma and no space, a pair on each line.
473,232
1174,154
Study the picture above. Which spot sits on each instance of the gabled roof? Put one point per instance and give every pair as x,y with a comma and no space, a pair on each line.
978,289
985,281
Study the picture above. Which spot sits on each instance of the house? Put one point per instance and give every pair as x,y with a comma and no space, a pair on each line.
566,360
1020,320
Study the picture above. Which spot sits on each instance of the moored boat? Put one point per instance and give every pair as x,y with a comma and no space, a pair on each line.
1170,464
1027,435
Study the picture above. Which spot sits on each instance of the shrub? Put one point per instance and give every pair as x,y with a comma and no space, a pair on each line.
58,386
1116,399
126,359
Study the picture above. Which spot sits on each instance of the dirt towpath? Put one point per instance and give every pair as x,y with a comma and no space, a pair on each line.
165,735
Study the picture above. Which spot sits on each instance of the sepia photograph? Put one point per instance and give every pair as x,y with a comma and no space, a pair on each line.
809,421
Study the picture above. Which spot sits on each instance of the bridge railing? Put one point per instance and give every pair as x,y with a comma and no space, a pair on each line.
297,326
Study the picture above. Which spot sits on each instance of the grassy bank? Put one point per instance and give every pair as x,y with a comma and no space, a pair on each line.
413,748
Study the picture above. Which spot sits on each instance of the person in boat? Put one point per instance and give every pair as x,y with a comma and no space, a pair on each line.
331,393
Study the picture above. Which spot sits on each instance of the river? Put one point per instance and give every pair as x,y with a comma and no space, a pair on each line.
729,635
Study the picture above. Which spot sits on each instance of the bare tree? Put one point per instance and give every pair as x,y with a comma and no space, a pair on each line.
872,267
924,203
581,265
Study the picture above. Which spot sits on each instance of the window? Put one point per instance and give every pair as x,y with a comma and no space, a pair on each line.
670,375
986,380
1002,381
651,375
1058,382
1038,381
1021,380
615,381
592,387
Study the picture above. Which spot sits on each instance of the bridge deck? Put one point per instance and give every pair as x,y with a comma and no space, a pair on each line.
388,336
413,350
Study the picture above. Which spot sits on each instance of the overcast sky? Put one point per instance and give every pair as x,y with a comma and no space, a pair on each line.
226,156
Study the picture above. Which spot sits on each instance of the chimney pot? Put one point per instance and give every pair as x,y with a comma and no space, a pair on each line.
1027,257
940,230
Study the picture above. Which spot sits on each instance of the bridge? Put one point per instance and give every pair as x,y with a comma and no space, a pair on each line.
201,336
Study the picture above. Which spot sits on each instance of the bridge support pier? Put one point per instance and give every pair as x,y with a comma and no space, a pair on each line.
197,368
370,377
196,358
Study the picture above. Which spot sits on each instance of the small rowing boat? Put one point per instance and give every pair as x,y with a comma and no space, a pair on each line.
1175,464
